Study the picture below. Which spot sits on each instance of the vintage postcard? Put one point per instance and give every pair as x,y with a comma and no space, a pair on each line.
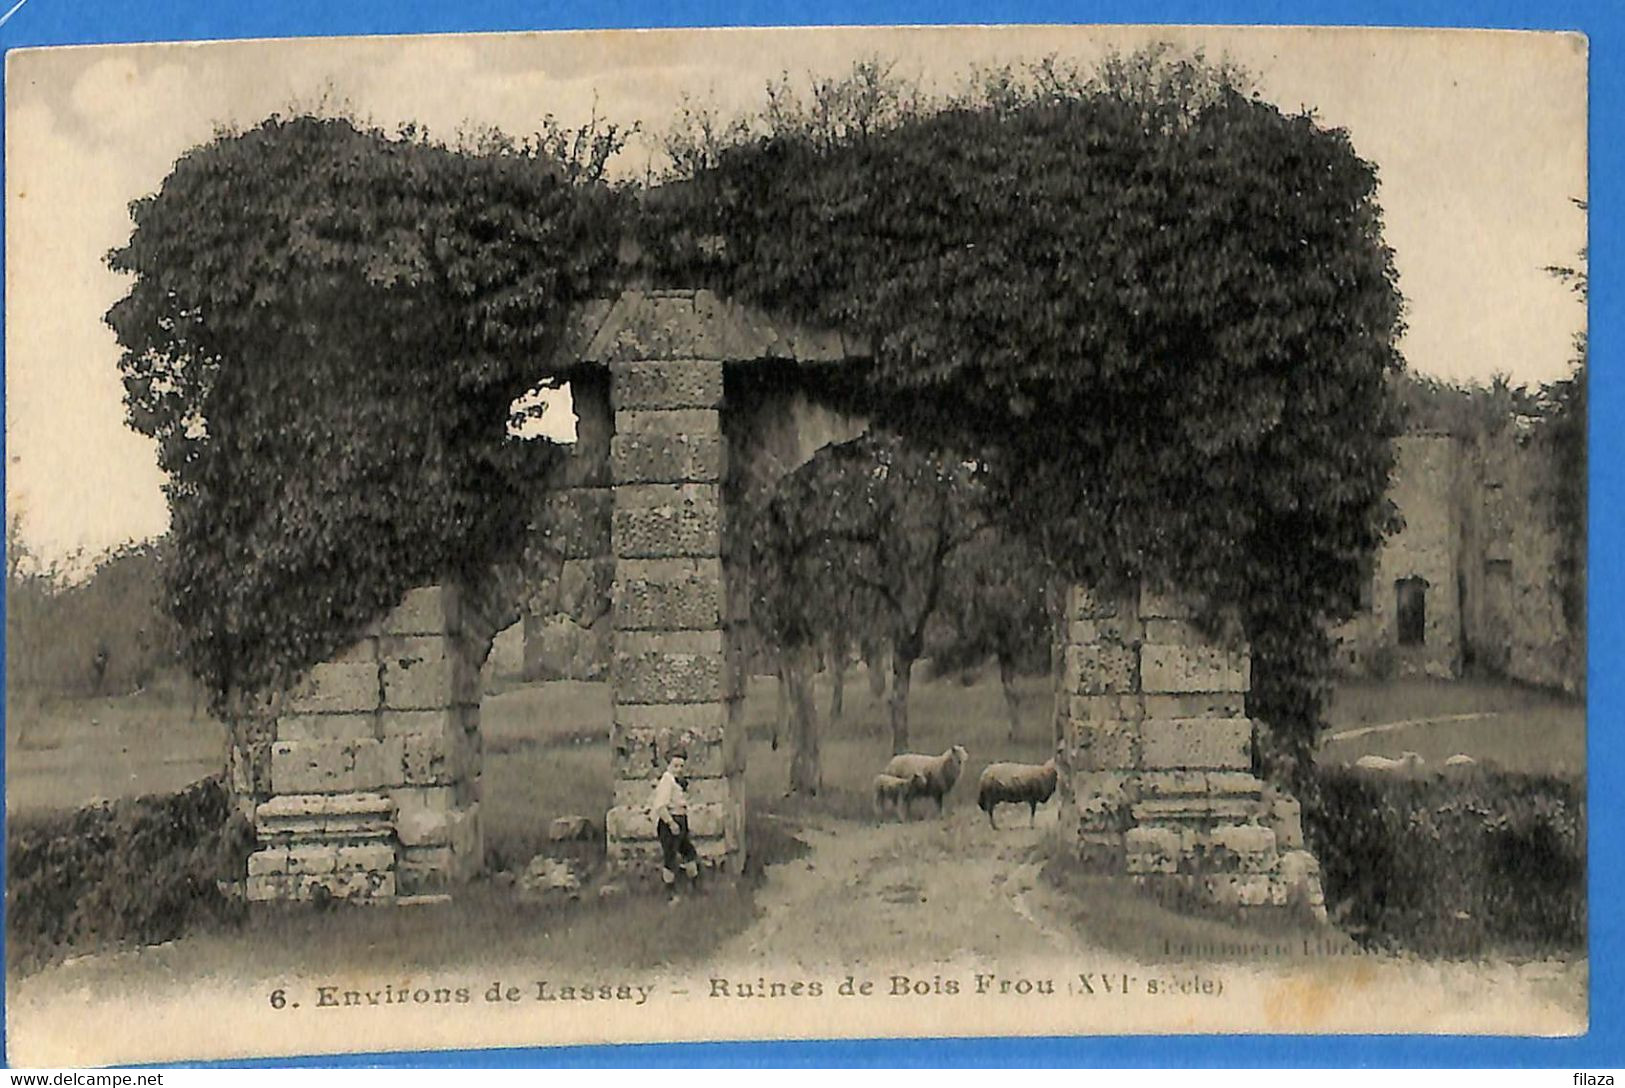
653,536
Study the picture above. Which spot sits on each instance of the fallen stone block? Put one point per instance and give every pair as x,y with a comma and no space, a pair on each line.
571,829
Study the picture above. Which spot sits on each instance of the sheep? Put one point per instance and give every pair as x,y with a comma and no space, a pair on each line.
1408,764
1015,783
1460,766
893,791
930,776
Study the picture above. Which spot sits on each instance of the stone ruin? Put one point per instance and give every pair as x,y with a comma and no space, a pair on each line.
372,763
1152,731
364,779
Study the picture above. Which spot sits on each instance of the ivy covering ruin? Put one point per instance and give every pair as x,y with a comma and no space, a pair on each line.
1160,312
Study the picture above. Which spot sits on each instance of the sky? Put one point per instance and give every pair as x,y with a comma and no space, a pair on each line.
1478,137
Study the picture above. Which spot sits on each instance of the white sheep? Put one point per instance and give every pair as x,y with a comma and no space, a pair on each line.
1408,764
929,776
1461,766
894,792
1015,784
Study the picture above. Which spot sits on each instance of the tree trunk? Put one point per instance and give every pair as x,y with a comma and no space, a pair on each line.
874,658
837,690
781,718
1054,598
806,771
1012,703
902,670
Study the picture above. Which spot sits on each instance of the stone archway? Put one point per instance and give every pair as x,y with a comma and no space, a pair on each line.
368,773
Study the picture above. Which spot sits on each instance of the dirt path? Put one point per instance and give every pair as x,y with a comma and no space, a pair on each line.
925,891
945,920
1410,723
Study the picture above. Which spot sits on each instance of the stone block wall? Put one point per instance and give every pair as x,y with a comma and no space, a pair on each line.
1519,627
1478,530
570,565
1426,490
373,772
1155,747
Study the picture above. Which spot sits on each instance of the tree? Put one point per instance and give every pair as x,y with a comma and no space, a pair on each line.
1468,409
105,632
31,588
326,329
996,607
1563,430
876,522
788,572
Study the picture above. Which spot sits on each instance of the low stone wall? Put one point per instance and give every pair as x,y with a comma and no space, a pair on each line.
1155,747
374,770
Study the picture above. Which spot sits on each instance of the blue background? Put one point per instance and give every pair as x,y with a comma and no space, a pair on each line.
58,22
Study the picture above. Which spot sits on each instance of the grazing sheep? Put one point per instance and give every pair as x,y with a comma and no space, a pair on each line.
1408,764
894,792
1461,767
1014,784
929,776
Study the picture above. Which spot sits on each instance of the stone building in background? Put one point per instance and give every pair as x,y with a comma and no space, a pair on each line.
1472,582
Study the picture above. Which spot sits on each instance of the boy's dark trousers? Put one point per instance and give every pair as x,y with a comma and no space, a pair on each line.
675,846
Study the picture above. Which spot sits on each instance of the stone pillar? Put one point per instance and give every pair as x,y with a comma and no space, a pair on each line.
1156,746
375,769
677,674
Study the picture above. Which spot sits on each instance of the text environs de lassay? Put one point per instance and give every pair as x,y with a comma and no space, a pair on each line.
497,993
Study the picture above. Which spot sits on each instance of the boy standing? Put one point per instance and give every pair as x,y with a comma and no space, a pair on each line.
670,811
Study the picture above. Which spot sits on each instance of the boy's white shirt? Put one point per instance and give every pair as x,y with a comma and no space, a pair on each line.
670,799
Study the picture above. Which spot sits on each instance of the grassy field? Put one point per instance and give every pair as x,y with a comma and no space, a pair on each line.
65,753
547,753
1521,729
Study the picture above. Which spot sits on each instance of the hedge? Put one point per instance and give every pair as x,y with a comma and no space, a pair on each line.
1461,866
141,870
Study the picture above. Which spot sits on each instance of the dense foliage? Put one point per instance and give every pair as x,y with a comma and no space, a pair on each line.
1562,430
141,870
1156,310
325,333
1161,313
1469,410
1491,863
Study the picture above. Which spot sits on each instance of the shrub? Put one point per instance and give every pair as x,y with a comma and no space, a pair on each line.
1491,862
141,870
325,334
